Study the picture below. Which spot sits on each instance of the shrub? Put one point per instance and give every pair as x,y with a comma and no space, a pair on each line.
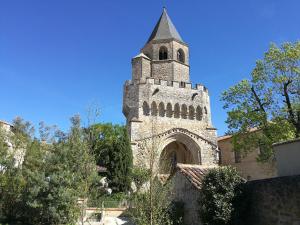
56,171
140,176
152,207
220,188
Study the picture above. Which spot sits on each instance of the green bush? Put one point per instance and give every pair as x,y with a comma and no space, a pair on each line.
57,169
140,176
152,206
220,188
114,200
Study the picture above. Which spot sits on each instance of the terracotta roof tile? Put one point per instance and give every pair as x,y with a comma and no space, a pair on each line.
194,173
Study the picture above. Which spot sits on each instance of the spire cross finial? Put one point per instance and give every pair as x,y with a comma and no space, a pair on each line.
164,4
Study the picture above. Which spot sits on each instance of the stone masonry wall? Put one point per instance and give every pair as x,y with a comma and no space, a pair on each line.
274,201
161,69
170,69
176,46
169,93
181,72
185,192
138,94
141,68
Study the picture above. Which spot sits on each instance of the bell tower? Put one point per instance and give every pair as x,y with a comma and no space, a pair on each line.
165,54
161,95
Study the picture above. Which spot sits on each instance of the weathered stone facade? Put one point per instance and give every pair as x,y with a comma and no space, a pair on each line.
160,96
274,201
191,206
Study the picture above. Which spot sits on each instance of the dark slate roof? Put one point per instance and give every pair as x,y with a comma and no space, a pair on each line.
164,29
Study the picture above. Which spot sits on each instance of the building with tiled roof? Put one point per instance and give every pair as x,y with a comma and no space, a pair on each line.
187,180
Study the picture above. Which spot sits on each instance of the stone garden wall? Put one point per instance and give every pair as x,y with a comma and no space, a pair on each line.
273,201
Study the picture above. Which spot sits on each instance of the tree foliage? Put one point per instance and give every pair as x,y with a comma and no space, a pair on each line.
220,188
140,176
112,150
57,169
268,102
152,207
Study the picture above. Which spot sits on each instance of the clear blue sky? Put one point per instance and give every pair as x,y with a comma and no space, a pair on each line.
59,57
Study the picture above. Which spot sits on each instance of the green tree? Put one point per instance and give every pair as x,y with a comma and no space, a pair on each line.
57,170
70,171
220,188
152,207
140,176
113,150
268,102
12,181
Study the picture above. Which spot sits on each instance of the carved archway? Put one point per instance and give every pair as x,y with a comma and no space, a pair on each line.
189,145
178,148
175,152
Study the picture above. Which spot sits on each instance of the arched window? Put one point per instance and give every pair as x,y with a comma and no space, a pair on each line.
183,111
176,111
205,110
146,109
153,109
180,55
199,113
163,53
191,112
169,112
161,109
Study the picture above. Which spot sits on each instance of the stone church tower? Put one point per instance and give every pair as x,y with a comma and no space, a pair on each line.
161,103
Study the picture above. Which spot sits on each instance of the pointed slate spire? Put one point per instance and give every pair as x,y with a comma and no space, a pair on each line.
164,29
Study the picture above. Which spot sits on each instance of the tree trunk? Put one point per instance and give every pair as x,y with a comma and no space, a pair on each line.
291,115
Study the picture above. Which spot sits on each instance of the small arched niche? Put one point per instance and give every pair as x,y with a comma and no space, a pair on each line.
180,55
161,109
198,113
191,112
176,111
163,53
169,111
184,111
154,109
146,109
